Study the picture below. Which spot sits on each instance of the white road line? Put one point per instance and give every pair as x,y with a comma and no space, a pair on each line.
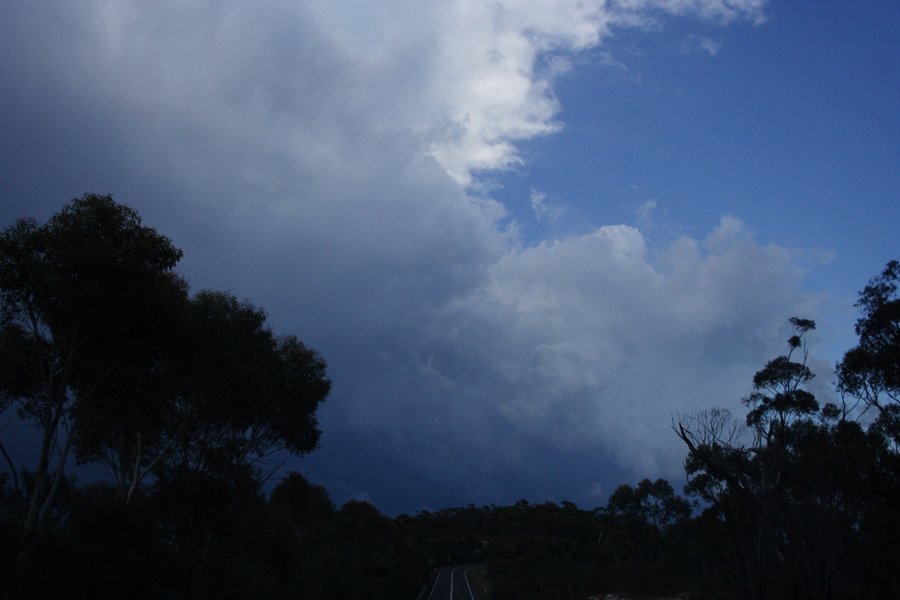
466,576
434,585
452,573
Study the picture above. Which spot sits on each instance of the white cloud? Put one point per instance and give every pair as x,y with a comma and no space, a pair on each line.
461,75
646,211
471,84
634,12
589,343
701,43
543,209
710,46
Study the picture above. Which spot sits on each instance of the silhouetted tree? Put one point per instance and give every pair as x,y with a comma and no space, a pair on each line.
80,296
103,350
640,529
871,370
230,394
794,496
655,503
870,373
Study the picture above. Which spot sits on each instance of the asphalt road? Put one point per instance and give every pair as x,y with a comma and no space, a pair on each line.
452,584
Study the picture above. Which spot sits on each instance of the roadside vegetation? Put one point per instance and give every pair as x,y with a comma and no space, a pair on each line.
190,403
481,585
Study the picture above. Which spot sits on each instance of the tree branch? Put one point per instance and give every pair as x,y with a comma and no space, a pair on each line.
12,467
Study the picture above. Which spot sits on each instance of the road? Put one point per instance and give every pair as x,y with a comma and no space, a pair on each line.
452,583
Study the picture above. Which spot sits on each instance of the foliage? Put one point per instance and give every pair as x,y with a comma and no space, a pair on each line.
806,500
192,403
80,296
871,370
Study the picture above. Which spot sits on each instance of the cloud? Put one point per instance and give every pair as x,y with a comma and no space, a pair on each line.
476,88
315,157
637,12
592,343
560,372
646,211
464,78
544,210
701,43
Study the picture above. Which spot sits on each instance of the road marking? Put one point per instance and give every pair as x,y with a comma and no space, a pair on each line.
434,585
452,573
466,577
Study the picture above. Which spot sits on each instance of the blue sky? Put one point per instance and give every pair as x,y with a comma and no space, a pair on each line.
523,233
792,125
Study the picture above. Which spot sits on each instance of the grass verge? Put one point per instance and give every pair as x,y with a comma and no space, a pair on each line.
480,584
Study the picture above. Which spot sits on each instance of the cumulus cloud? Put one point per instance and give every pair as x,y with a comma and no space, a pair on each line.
464,77
560,372
475,88
595,344
316,156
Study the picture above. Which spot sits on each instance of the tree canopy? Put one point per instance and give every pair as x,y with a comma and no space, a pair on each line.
80,297
807,496
104,350
192,402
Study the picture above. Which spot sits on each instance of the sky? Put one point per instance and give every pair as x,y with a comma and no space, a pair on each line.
524,234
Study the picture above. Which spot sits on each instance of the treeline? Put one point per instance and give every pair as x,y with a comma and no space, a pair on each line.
797,500
193,538
190,404
807,493
643,543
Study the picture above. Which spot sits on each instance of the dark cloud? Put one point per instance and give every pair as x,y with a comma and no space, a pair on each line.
316,169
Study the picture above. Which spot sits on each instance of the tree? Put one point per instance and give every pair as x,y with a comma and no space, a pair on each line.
246,395
871,370
653,502
796,497
870,373
191,402
230,396
207,423
778,397
642,528
80,296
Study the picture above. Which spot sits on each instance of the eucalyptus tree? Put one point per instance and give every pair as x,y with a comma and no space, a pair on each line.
228,398
793,485
82,295
870,371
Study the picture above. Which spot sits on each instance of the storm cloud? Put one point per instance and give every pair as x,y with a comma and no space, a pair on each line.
324,160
